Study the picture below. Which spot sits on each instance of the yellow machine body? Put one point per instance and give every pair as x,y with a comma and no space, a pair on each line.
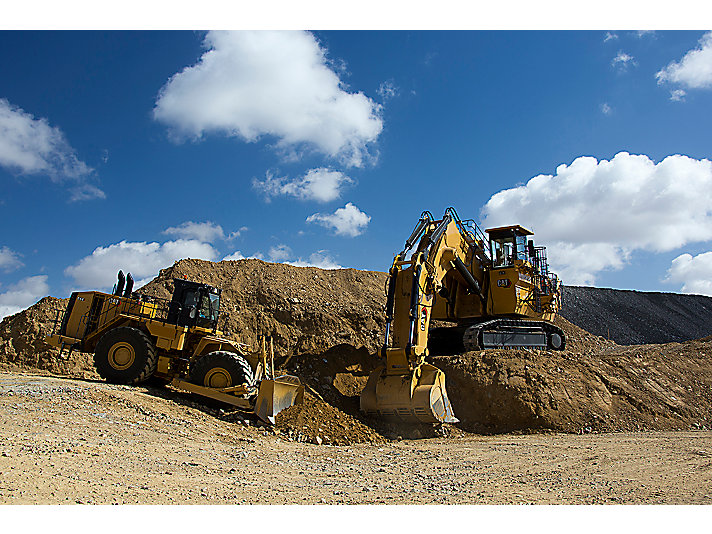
92,315
452,276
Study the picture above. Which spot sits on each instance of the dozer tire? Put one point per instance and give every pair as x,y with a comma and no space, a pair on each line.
125,355
221,369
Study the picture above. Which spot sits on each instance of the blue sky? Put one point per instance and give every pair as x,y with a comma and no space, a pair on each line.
133,149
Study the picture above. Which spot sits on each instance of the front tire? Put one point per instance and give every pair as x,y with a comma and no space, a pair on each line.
221,369
125,355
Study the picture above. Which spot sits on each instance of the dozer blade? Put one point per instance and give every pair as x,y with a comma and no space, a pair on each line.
416,398
277,395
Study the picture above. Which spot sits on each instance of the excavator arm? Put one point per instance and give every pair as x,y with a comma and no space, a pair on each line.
407,387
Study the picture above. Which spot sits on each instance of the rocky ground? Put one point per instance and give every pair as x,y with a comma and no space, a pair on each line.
70,441
328,325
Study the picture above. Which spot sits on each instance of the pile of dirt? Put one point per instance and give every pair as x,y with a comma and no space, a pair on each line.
306,309
317,421
645,387
23,345
638,317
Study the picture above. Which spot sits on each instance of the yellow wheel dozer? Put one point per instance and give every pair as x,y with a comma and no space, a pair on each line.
418,397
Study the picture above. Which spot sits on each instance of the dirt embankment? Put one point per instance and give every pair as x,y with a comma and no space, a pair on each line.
328,325
23,345
307,309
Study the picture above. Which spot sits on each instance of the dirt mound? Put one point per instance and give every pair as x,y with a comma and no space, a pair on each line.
23,345
307,309
651,387
317,421
638,317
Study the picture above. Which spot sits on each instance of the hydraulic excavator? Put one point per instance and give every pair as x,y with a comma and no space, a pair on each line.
496,289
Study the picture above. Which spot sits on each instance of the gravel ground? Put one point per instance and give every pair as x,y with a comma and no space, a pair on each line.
71,441
637,317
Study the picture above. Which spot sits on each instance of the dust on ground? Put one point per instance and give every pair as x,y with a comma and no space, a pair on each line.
79,441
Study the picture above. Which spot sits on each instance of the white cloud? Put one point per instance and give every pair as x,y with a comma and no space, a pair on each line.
279,253
644,33
283,254
319,259
387,90
694,70
238,255
677,95
321,185
143,260
349,220
610,37
250,84
9,259
24,293
207,232
593,214
695,273
622,60
606,108
32,146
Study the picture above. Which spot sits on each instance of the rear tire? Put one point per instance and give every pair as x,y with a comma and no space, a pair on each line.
125,355
221,369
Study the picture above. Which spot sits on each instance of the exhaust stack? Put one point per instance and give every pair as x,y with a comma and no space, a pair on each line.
120,286
129,285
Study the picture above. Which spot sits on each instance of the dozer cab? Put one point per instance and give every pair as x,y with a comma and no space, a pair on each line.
497,291
135,337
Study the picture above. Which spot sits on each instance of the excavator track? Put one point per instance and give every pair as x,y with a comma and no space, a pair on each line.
514,333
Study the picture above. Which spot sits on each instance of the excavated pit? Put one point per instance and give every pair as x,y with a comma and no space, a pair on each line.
328,324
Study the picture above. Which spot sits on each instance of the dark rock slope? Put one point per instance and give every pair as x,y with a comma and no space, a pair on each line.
636,317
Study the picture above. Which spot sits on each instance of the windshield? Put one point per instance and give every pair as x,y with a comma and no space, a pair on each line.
503,252
209,305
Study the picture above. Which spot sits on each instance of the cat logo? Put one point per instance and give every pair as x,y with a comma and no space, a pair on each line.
423,318
503,282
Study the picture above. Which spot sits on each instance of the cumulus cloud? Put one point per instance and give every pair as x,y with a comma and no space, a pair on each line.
320,259
279,253
283,254
31,146
695,273
694,70
349,220
24,293
250,84
143,260
207,232
623,60
9,259
606,108
610,37
593,214
321,185
238,255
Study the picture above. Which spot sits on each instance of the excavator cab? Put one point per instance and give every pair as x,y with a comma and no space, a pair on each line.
509,244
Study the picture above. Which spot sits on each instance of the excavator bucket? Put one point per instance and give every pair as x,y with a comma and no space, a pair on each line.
416,398
277,395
